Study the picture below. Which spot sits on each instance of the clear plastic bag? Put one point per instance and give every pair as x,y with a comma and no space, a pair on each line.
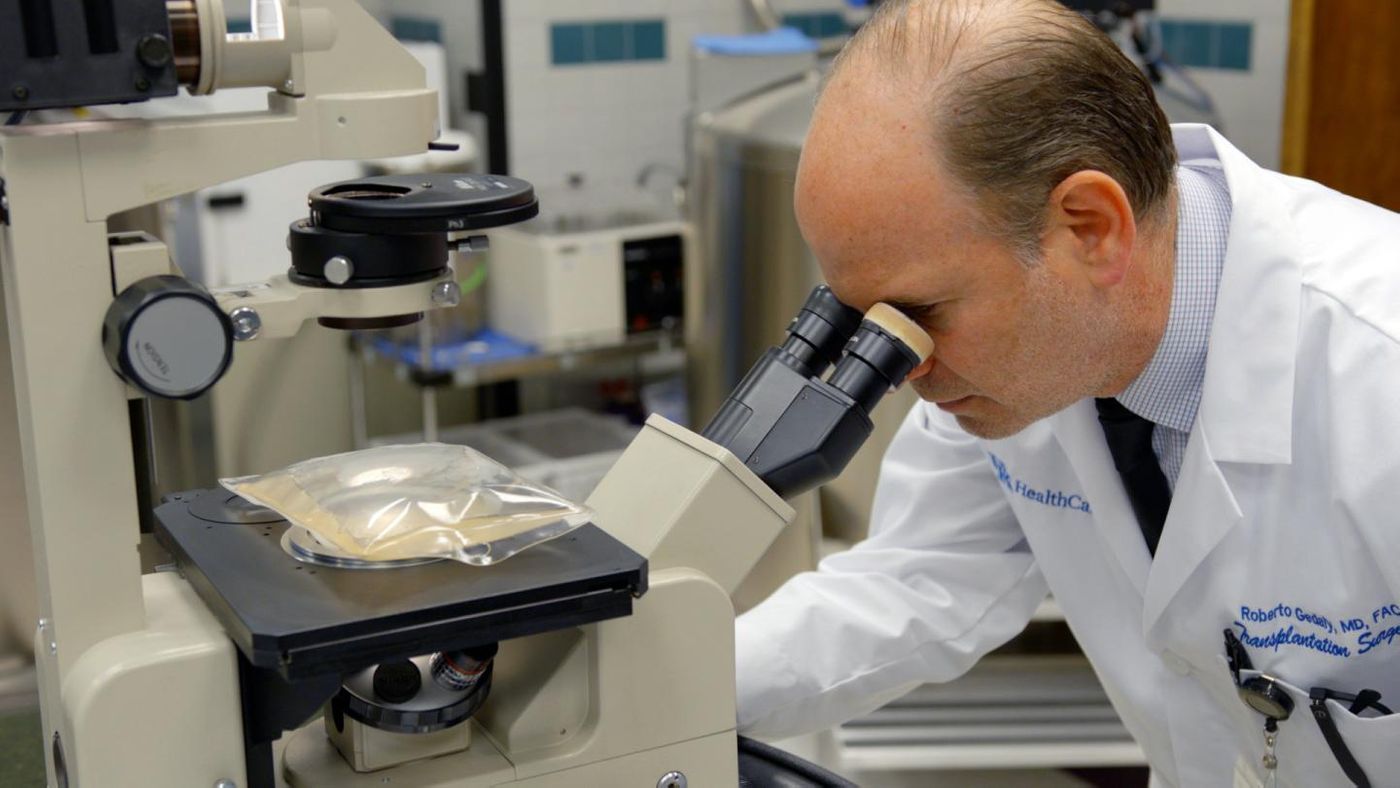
401,502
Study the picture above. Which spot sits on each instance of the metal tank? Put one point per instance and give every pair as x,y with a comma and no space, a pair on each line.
755,270
754,266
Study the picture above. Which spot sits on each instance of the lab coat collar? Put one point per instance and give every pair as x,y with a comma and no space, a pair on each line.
1247,397
1079,434
1246,413
1203,511
1246,400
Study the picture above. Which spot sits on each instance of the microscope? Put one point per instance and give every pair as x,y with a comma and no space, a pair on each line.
602,657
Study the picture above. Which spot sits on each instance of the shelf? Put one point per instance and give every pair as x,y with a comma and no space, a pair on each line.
666,347
993,756
1007,712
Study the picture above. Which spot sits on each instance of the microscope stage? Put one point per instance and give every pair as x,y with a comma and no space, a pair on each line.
302,620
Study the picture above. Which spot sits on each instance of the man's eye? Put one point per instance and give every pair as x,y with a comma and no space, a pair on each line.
922,313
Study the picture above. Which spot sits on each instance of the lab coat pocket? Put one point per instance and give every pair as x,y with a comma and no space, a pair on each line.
1305,758
1374,742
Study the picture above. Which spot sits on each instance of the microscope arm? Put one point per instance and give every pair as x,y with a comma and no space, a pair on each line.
679,499
363,97
277,308
336,74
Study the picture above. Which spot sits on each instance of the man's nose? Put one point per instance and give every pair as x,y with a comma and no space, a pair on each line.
923,369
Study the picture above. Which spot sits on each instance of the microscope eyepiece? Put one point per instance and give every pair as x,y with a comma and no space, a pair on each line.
819,331
885,349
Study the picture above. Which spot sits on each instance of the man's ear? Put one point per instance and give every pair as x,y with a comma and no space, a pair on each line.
1089,221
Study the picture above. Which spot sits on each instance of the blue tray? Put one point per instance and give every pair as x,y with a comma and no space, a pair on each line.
448,353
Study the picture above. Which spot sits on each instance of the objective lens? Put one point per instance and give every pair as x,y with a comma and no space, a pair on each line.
461,670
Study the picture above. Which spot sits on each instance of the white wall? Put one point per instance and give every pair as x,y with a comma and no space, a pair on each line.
460,21
1250,102
601,121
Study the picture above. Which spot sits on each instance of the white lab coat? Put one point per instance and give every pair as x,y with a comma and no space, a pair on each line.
1285,519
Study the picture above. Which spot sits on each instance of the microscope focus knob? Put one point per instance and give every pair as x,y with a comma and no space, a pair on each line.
397,681
167,336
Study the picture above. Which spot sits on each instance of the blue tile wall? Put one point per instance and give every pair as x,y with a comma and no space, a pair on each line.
649,40
611,41
823,24
1234,46
1198,44
568,44
413,28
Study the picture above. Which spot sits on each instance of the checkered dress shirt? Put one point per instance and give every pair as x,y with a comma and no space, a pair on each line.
1168,392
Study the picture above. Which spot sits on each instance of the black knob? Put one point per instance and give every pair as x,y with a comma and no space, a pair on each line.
397,681
154,50
167,336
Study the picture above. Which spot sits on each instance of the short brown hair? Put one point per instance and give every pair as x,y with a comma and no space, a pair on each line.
1024,93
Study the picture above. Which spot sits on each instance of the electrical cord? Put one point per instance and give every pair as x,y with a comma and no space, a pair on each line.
765,766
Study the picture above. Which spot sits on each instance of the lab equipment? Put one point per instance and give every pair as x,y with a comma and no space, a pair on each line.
679,522
424,697
563,287
796,430
341,88
101,53
213,663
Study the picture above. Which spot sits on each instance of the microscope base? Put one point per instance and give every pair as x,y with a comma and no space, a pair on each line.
619,702
311,762
175,682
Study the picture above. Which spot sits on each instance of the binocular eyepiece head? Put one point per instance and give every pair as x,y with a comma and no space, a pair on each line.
872,353
795,429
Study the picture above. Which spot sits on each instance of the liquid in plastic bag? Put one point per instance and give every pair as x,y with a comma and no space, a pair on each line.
414,501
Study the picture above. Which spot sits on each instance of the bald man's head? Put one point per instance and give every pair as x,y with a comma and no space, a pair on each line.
1017,96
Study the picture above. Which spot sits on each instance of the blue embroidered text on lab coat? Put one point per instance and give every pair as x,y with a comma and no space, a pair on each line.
1045,496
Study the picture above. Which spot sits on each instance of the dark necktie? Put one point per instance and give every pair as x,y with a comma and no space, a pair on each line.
1129,439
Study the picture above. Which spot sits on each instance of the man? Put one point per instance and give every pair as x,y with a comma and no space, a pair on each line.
1099,288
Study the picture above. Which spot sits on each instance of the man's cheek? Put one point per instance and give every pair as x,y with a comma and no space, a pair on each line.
924,388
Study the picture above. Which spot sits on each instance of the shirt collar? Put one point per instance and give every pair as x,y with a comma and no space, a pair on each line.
1168,392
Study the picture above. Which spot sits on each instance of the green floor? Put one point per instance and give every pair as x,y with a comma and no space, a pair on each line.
21,750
